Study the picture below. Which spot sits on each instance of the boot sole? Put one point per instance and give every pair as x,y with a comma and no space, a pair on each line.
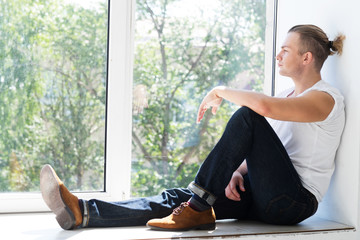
50,190
209,226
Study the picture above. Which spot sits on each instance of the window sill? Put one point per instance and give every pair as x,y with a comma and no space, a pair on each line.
44,226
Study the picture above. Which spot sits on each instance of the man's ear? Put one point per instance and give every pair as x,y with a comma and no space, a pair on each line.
307,58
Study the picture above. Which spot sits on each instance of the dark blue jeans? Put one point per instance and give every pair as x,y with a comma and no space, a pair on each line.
274,193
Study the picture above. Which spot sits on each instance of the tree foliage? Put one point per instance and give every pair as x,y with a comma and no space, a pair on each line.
52,93
53,87
177,60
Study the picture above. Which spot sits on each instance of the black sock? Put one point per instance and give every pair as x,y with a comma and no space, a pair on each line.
81,205
198,204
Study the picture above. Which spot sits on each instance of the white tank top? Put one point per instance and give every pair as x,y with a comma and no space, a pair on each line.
312,146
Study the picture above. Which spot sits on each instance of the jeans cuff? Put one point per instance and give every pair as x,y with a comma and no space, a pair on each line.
85,214
207,196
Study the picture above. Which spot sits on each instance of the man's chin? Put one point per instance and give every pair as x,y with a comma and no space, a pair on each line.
282,73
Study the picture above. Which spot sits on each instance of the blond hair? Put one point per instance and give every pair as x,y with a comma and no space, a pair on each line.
314,39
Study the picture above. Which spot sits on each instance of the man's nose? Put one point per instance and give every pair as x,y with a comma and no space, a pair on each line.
278,56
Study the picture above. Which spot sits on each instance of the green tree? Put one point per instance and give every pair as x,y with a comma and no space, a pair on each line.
52,92
19,84
74,103
177,62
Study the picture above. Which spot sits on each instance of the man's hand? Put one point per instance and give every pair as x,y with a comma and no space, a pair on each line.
231,191
210,100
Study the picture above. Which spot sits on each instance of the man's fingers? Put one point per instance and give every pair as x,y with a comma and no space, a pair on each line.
213,110
201,115
241,186
201,112
236,193
231,192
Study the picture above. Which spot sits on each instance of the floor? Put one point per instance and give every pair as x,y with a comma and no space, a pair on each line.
43,226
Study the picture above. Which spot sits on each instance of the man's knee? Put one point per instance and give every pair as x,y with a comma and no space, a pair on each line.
244,112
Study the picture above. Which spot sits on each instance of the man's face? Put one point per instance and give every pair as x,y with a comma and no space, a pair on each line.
290,62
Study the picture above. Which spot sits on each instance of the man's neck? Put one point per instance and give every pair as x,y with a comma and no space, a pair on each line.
305,81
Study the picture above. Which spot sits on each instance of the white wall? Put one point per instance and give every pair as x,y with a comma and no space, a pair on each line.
342,200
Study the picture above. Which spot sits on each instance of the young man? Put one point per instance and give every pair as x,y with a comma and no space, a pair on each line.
273,163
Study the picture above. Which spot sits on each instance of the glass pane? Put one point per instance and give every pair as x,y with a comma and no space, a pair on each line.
53,61
183,49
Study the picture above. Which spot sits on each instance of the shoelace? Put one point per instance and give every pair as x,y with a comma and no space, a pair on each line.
180,208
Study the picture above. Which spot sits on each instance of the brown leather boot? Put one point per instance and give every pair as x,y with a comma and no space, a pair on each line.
185,218
64,204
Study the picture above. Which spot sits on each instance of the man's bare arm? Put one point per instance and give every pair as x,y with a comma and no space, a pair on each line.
311,107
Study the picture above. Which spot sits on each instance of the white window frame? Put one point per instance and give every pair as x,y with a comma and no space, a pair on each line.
119,109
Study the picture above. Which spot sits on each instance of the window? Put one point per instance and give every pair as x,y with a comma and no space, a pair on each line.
182,50
53,76
223,47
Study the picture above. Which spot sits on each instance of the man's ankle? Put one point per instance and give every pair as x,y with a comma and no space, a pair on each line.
198,204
